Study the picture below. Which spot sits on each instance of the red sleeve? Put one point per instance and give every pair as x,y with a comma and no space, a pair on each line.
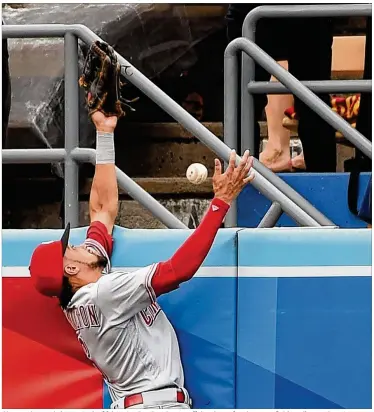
98,232
190,256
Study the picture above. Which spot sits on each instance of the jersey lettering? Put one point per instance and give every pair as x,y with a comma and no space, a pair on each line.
83,316
125,334
150,313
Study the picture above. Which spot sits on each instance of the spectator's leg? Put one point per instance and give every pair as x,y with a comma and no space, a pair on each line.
270,36
259,105
312,61
276,155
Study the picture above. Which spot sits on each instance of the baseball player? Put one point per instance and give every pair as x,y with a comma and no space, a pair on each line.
115,314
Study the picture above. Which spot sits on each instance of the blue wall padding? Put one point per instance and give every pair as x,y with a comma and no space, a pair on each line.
303,342
326,191
296,334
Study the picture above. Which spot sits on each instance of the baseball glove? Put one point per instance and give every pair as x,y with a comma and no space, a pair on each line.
101,81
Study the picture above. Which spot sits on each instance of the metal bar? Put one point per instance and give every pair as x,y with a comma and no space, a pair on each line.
327,86
84,155
139,194
29,31
305,11
271,216
135,191
25,156
231,70
230,125
71,197
249,32
305,95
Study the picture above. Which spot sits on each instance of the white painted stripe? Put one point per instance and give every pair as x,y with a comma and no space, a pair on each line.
303,271
204,272
244,271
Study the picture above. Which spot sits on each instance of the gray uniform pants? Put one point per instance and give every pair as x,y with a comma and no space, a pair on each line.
159,399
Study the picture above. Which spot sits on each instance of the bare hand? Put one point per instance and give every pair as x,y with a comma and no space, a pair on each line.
104,123
228,185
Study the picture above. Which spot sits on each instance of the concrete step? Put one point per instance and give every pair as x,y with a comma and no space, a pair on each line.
50,189
36,203
130,215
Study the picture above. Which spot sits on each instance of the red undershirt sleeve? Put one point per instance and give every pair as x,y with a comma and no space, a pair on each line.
99,233
190,256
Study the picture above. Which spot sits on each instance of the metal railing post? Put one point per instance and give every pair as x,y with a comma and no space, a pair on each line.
230,126
271,216
71,195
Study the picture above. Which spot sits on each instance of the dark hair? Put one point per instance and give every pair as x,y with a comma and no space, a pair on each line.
67,290
66,293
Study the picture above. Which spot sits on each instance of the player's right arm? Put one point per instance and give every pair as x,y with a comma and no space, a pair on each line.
189,257
103,203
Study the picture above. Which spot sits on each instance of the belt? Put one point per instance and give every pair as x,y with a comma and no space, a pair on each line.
137,399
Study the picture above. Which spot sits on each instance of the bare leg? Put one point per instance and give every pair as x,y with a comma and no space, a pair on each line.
276,155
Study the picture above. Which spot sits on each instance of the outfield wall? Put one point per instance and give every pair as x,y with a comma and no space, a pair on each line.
275,318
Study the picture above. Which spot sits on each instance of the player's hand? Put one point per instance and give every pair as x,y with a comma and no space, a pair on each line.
228,185
104,123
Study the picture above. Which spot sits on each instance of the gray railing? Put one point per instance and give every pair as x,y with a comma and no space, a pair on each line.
266,182
73,154
303,90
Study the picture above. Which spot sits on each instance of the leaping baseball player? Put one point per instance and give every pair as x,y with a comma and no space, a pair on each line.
117,319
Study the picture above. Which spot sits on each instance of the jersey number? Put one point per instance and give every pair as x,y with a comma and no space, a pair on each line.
87,352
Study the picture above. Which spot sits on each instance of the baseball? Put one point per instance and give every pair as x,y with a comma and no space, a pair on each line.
197,173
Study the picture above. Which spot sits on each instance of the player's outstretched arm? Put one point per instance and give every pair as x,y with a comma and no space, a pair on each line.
190,256
104,192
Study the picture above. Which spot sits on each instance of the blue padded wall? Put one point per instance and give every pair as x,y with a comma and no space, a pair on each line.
304,319
327,192
275,318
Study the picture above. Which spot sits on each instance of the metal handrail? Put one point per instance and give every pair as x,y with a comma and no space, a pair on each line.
295,205
301,89
164,101
248,65
305,95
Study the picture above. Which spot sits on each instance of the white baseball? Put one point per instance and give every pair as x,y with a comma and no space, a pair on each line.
197,173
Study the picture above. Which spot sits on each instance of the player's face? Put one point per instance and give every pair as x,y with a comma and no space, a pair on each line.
81,254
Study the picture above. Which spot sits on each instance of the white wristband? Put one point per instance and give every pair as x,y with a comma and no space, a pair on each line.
105,153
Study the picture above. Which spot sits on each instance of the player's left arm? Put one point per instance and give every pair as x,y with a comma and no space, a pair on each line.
189,257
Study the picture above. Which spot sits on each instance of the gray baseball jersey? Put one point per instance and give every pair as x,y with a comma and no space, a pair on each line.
124,332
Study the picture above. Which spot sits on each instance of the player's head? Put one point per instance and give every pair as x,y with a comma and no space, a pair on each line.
58,269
